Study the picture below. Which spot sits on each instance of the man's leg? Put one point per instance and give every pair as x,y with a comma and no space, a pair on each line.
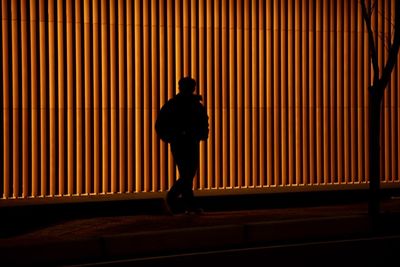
173,196
186,157
187,170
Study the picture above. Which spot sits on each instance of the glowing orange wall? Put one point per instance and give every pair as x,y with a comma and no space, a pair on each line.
284,83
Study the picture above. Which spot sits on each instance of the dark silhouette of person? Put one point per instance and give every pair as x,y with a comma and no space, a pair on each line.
183,123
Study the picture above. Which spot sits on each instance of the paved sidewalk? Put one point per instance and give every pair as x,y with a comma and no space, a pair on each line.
99,238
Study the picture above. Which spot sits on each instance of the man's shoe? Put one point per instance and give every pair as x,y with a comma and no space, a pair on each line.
173,206
166,208
194,211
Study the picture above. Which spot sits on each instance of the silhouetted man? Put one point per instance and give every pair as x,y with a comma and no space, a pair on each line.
183,122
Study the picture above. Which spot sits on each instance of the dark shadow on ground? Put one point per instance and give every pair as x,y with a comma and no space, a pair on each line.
19,220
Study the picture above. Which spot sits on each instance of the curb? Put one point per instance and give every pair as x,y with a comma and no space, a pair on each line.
50,252
173,240
287,230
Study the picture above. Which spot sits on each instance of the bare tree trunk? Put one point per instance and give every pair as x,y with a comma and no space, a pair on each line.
375,102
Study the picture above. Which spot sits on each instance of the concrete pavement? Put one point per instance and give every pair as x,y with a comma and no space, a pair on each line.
84,240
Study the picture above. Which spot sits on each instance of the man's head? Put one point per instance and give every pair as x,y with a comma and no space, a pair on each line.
187,85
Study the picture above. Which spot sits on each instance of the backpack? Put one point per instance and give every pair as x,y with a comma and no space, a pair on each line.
182,114
164,123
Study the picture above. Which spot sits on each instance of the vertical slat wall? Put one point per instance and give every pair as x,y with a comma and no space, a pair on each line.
284,83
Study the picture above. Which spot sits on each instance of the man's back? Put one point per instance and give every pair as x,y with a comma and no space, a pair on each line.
183,116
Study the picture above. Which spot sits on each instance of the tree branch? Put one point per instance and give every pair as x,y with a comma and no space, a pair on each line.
374,55
393,51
